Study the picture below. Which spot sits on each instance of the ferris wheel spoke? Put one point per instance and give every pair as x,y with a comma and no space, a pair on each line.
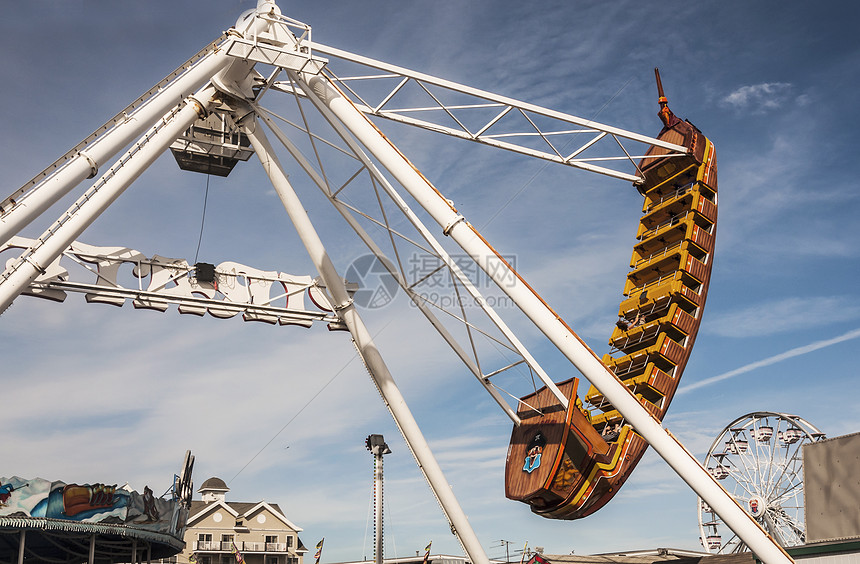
773,451
790,531
742,483
739,546
796,527
742,469
794,490
791,465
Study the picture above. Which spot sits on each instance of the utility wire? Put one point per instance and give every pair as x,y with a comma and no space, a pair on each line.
293,418
338,373
203,219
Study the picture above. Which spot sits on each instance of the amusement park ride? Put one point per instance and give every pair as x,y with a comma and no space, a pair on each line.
758,457
568,455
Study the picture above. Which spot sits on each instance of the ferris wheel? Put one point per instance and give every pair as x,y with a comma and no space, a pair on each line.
758,458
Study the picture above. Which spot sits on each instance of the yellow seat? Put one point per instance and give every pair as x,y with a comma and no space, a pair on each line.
698,197
613,417
651,376
670,187
684,258
673,320
666,352
692,227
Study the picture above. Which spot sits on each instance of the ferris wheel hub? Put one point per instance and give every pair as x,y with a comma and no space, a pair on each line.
757,506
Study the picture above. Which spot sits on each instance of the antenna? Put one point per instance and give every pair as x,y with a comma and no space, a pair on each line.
665,114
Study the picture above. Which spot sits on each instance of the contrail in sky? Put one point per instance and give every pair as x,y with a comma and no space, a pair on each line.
771,360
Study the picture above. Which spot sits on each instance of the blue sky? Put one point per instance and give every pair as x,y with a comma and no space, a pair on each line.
113,394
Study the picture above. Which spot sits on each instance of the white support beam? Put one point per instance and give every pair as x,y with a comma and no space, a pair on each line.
549,322
87,157
102,194
370,355
504,100
377,251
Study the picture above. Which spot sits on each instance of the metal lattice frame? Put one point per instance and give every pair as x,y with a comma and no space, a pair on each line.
490,119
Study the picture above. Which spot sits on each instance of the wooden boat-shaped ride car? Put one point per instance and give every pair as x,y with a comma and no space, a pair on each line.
568,463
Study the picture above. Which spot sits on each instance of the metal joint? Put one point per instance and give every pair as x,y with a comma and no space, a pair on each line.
450,226
29,258
344,305
94,166
200,107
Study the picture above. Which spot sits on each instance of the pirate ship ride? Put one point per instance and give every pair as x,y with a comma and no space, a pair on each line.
567,463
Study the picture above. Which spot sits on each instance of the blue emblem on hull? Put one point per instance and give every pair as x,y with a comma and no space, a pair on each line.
533,454
532,462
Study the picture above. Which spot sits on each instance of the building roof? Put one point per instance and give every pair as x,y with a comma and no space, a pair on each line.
238,509
214,483
673,556
419,558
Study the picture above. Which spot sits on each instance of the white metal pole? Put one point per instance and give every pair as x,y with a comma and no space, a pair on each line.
87,162
102,194
377,508
363,341
549,322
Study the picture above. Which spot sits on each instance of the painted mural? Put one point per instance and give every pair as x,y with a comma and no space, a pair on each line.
90,503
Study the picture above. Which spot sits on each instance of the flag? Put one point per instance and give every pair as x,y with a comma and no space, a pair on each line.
319,551
193,558
525,548
236,554
427,551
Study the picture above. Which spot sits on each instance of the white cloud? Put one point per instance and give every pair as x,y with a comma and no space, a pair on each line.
791,353
760,98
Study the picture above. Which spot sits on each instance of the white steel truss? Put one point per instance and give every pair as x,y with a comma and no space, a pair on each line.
490,119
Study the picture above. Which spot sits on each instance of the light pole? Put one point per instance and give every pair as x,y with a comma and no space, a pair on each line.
376,445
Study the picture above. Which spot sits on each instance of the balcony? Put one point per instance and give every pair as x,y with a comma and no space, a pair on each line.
216,546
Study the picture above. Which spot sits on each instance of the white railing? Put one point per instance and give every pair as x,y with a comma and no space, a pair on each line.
242,546
207,545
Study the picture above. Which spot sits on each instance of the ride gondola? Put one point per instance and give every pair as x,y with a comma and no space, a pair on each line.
568,463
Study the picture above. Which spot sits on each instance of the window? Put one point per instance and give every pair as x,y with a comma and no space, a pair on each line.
226,542
204,541
271,560
272,544
289,541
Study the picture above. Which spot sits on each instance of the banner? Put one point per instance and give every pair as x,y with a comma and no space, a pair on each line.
319,551
236,554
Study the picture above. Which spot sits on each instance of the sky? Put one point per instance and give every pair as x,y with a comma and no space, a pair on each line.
103,394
